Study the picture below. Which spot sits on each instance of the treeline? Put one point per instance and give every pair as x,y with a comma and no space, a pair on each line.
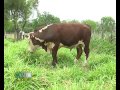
17,14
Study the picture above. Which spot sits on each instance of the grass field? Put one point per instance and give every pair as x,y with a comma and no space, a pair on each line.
99,75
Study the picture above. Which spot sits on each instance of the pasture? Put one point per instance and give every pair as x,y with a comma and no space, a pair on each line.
99,75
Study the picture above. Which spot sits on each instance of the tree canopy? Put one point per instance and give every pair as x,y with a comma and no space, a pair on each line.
92,23
107,23
17,10
45,19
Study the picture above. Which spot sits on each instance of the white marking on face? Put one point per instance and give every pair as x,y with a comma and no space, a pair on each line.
39,39
45,28
32,47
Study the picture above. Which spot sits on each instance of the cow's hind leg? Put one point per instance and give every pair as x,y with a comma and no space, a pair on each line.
79,53
54,54
86,50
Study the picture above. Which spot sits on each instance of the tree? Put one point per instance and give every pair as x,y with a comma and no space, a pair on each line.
28,27
28,7
107,25
8,26
92,23
70,21
73,21
45,19
64,21
18,9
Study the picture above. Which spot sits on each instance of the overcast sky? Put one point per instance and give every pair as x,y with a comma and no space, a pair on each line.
78,9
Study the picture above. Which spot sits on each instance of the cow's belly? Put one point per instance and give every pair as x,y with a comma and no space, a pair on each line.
50,45
72,45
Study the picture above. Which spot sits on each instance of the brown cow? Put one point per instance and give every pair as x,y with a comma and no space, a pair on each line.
54,36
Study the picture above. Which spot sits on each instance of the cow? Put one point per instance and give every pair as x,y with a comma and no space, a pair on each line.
53,36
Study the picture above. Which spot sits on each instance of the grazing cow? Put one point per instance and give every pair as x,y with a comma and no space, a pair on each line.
54,36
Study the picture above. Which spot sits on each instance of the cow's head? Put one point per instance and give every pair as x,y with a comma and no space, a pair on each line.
34,42
34,39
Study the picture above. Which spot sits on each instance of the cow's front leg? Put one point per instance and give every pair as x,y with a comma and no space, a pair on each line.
54,54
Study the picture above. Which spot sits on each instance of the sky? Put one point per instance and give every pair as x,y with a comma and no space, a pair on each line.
78,9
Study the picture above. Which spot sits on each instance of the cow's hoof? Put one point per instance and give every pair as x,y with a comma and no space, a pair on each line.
85,64
54,64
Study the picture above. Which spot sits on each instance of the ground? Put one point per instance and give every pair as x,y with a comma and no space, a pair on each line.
99,75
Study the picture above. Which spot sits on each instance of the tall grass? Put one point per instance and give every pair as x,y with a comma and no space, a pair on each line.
99,75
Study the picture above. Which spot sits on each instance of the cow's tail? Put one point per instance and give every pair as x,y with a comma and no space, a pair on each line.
89,27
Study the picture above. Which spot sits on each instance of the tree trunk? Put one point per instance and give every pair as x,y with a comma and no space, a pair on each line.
23,25
16,35
15,18
16,31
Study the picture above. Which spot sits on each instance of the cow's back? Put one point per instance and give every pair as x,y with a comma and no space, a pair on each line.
69,34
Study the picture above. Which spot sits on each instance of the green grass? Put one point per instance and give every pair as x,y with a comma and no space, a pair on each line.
99,75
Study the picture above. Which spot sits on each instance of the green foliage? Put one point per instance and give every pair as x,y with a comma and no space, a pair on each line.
102,45
45,19
26,11
8,26
100,74
70,21
73,21
107,24
64,21
91,23
16,10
